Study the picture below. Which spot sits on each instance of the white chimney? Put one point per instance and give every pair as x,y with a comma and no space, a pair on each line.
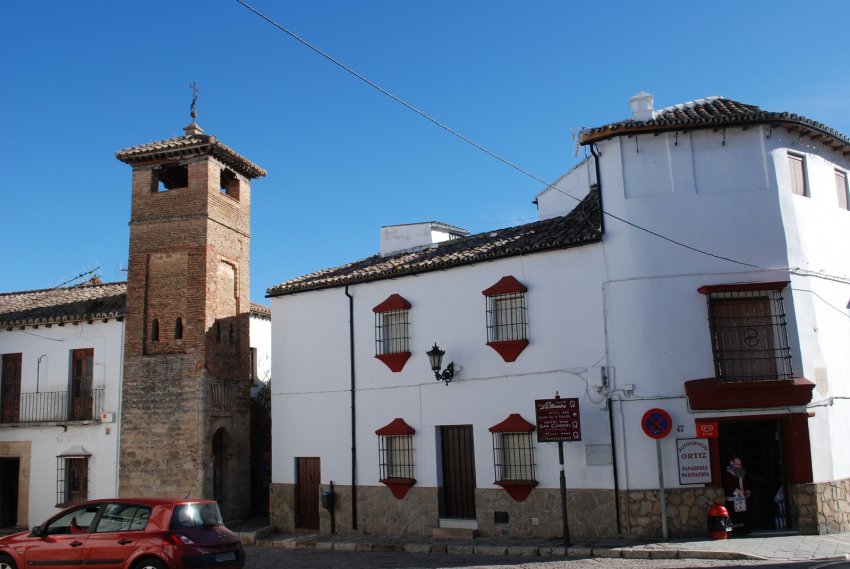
642,104
412,236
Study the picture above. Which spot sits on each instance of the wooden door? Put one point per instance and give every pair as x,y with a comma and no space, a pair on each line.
10,388
308,476
458,468
82,366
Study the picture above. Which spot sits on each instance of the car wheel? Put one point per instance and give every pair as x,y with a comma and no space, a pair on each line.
148,563
7,562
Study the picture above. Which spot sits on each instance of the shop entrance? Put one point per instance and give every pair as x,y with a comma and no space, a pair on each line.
758,443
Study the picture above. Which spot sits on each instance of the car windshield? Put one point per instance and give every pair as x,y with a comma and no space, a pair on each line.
187,516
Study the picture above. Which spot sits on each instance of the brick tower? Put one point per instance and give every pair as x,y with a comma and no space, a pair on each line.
185,411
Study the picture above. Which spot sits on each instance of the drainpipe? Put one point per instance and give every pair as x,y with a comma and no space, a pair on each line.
353,411
614,465
593,150
598,187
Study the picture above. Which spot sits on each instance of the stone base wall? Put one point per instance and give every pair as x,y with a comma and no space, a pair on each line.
590,512
282,507
821,508
687,511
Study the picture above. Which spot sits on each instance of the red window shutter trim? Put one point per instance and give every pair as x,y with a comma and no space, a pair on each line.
518,489
399,486
710,394
394,361
393,302
743,287
509,349
396,428
506,285
513,424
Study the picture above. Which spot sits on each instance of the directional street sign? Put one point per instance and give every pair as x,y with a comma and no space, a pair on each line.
558,420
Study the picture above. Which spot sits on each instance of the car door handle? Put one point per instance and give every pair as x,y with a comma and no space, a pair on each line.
125,541
75,543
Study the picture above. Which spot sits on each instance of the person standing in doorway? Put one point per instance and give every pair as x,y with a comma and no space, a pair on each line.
737,492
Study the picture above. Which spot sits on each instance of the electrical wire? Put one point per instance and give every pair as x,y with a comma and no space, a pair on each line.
490,153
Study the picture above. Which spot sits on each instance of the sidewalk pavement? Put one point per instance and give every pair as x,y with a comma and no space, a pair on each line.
766,546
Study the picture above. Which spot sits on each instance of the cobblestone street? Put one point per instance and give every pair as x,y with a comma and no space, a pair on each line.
275,558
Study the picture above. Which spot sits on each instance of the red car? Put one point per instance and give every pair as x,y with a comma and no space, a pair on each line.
128,533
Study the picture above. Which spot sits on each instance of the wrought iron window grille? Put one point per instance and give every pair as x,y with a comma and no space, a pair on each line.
506,317
392,332
513,457
749,336
396,457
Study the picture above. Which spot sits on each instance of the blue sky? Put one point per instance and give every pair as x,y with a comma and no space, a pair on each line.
81,80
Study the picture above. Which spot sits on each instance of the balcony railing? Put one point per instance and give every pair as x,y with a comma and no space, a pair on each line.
52,406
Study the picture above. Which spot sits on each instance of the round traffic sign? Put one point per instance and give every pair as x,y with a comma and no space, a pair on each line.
656,423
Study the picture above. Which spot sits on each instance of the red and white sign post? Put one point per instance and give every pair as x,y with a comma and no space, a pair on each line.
657,424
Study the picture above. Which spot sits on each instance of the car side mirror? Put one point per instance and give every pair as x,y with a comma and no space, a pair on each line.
38,531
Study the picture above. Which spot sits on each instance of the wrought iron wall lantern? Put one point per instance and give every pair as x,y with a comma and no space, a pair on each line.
435,355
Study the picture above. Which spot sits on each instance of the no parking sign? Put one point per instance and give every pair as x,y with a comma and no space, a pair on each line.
656,423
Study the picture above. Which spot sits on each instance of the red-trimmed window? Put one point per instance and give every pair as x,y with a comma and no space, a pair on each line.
392,332
748,331
513,456
395,456
507,317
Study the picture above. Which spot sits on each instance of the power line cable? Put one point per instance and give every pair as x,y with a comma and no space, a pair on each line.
481,148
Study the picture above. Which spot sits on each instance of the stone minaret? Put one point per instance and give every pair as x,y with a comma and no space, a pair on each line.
185,410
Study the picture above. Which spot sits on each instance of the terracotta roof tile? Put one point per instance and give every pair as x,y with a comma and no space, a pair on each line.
260,311
717,112
579,227
191,144
49,306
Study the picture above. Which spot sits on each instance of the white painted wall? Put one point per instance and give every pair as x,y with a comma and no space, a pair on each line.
312,376
630,304
261,340
50,440
728,196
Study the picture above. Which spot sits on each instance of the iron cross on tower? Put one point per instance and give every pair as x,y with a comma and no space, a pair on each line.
195,92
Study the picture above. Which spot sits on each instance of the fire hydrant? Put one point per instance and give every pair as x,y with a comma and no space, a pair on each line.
719,524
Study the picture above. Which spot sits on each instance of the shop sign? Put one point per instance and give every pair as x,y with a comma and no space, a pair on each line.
707,429
558,420
694,461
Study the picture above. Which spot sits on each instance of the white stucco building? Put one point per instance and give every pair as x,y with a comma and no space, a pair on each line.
61,384
60,395
690,265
